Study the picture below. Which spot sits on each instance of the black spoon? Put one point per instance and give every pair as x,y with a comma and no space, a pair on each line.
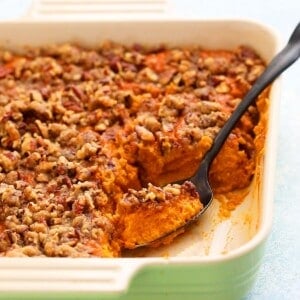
286,57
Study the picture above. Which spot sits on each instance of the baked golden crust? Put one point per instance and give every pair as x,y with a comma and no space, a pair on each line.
82,129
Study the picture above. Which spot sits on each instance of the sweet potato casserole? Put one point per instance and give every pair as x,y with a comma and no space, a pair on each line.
91,139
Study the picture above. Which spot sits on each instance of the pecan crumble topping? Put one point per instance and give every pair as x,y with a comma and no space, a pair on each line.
83,130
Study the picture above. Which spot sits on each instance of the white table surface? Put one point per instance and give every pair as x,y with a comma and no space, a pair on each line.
279,276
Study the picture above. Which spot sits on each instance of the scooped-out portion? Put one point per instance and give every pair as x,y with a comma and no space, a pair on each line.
91,138
152,213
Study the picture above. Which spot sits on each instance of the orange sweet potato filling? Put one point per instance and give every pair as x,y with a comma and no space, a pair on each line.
90,138
153,213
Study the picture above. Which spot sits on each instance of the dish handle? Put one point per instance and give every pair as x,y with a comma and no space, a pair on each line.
96,9
67,274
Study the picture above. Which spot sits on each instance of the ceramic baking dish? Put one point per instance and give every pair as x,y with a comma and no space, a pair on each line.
215,259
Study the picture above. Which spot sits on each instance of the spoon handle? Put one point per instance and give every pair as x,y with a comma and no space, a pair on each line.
287,56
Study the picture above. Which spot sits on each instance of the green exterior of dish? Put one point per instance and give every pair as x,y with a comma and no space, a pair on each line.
224,280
